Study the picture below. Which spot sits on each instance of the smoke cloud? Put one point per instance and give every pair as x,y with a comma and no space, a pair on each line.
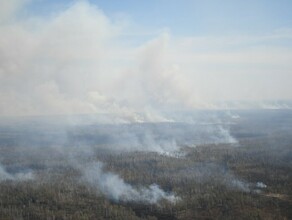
77,60
65,65
116,189
21,175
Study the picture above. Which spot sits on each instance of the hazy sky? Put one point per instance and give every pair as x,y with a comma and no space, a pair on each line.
191,17
126,56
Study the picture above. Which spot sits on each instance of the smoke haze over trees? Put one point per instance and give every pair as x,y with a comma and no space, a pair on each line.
113,110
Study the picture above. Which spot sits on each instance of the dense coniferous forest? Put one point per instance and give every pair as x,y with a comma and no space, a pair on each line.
250,179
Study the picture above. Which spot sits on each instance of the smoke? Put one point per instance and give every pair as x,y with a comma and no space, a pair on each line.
261,185
75,62
46,149
48,145
9,8
208,172
21,175
60,57
239,185
116,189
4,175
51,143
226,137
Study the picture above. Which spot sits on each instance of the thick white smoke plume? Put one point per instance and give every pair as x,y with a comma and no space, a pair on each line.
75,62
115,188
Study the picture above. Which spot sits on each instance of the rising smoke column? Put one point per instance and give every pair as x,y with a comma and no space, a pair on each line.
74,62
115,188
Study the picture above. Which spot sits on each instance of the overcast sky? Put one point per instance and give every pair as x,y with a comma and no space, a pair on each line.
120,57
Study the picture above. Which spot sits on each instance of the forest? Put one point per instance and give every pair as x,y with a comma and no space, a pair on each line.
190,171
